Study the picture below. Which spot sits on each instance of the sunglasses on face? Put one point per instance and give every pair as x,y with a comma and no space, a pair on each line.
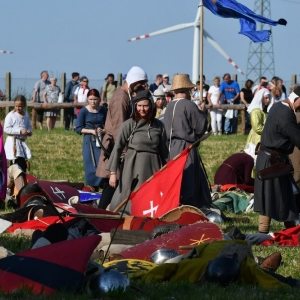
161,98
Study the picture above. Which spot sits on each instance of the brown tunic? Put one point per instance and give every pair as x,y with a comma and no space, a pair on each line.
295,157
119,111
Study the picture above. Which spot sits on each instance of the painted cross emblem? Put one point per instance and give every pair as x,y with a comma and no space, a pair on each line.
198,242
60,194
152,209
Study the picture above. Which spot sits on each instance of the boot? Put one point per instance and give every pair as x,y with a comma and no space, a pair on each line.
235,234
272,262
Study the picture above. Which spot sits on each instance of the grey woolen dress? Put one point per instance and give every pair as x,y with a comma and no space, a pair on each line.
146,153
185,124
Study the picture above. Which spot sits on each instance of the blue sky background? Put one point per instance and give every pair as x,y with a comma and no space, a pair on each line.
91,37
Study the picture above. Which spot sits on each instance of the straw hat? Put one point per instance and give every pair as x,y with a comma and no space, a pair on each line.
181,81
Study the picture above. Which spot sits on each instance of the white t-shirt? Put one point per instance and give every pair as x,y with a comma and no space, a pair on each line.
81,96
214,91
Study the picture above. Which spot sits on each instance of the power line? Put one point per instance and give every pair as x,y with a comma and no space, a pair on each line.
291,1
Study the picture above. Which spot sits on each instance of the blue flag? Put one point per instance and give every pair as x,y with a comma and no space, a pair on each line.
248,18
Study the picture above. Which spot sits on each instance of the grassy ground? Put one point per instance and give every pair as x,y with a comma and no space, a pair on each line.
57,156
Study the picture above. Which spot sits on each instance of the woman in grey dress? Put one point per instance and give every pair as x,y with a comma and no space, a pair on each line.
145,140
51,95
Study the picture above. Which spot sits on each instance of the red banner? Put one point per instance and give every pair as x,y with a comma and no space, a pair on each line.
161,192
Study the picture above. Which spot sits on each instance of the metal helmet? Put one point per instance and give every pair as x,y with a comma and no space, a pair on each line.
223,270
160,256
102,282
214,217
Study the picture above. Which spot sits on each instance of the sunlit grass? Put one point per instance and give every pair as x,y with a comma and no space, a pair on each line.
57,155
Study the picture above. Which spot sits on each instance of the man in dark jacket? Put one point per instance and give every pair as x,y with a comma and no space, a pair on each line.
69,98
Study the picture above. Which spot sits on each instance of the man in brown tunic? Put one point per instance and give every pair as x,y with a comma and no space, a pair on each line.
119,110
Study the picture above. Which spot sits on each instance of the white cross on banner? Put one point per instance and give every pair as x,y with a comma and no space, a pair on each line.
162,191
152,210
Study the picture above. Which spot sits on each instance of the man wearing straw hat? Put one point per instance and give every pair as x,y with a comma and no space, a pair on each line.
185,124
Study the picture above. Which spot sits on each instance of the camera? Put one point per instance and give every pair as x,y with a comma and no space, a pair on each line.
264,83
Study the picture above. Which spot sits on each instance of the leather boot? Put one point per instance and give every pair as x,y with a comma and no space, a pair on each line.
272,262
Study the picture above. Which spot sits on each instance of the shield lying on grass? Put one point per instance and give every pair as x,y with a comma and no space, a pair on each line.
191,235
57,267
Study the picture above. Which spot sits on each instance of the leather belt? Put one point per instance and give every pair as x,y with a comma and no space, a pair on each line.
16,137
275,155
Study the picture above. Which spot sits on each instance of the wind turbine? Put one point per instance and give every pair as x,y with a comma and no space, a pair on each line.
196,47
6,52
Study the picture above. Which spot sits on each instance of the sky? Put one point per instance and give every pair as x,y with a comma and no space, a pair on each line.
91,37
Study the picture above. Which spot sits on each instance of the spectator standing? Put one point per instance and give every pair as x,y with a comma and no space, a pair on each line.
124,78
258,115
50,96
96,114
118,112
160,102
39,89
278,82
144,137
154,86
231,90
69,98
17,127
3,168
108,88
246,96
80,94
277,95
263,83
166,86
185,124
195,96
204,89
2,96
215,113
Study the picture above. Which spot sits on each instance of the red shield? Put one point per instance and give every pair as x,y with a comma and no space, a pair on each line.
191,235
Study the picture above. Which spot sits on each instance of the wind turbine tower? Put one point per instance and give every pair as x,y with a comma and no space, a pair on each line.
261,55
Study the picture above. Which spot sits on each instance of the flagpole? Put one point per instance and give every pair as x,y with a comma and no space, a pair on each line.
201,50
195,144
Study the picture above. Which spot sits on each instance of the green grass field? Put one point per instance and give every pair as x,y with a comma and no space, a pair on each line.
57,156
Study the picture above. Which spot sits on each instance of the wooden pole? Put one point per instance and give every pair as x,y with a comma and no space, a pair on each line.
201,50
7,89
293,80
33,118
243,121
119,79
62,88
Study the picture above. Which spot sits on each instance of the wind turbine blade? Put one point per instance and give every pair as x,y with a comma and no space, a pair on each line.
221,51
166,30
6,52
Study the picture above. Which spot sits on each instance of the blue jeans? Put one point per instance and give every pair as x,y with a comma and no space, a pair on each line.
230,125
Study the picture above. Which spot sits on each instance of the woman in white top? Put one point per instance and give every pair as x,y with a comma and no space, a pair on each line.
80,94
215,114
17,127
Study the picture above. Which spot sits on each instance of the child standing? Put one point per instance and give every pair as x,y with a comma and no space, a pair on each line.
18,128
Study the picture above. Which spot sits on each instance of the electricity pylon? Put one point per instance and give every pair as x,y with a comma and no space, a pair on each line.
261,55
